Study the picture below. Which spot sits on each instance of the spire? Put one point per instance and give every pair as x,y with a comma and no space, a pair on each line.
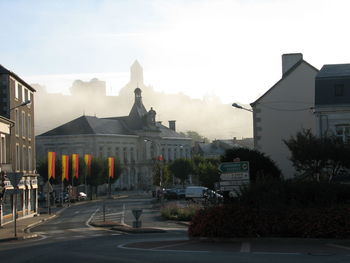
136,73
138,97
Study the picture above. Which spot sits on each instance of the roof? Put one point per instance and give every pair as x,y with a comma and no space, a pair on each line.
4,70
89,125
166,132
334,70
285,75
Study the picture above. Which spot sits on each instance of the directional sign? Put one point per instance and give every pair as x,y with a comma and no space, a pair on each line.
48,187
234,167
234,176
137,213
14,178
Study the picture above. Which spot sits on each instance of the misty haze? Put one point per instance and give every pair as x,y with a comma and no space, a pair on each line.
209,117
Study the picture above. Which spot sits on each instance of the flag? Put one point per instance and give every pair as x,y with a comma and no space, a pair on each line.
75,165
65,167
87,159
51,161
111,167
160,158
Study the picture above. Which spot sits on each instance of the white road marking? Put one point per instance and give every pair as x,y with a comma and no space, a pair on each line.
245,248
79,236
76,212
276,253
87,223
123,246
339,246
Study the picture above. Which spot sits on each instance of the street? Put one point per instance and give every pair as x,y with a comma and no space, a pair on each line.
69,238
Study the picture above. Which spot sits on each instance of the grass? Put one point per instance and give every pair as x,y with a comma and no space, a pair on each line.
175,212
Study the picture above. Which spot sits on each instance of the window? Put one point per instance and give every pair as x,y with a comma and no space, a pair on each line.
117,155
23,123
17,122
343,131
24,158
132,156
18,91
18,157
3,149
29,126
109,151
101,151
24,94
30,168
125,156
339,90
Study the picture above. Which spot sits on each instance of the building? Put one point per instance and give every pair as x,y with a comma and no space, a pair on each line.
17,105
136,140
217,148
285,109
332,101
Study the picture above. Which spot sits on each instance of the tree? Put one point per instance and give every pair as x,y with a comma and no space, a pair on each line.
261,167
195,136
318,158
181,168
207,171
161,171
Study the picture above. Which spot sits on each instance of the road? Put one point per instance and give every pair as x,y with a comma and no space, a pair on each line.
69,238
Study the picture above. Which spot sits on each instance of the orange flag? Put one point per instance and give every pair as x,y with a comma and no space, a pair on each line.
87,159
51,161
75,165
111,167
65,167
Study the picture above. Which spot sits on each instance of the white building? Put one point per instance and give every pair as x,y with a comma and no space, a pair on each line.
285,109
136,140
332,101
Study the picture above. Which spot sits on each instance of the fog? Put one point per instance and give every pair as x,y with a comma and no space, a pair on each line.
208,116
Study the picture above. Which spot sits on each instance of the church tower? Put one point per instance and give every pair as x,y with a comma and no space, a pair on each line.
136,74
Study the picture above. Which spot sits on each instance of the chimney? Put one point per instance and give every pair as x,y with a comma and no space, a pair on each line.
172,125
289,60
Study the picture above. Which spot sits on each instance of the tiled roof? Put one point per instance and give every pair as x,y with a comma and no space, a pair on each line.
335,70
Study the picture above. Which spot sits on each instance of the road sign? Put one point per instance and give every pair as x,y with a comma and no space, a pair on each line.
234,182
14,178
234,176
234,167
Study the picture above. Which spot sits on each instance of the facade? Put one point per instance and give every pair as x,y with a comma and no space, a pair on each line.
136,140
285,109
17,105
332,101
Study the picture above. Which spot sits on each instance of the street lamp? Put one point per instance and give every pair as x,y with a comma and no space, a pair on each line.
235,105
27,102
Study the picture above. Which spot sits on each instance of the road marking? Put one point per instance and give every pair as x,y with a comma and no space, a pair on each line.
87,223
277,253
123,246
76,212
96,235
339,246
172,245
79,236
245,248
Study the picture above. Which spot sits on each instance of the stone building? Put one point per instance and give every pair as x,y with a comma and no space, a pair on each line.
137,140
18,152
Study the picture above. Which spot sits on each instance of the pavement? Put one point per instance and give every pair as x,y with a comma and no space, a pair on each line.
7,232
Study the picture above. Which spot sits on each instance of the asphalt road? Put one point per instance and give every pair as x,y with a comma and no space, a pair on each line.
69,238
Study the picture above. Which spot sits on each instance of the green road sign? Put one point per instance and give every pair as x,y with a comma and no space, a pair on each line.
234,167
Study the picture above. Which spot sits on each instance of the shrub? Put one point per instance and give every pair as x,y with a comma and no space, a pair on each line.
239,221
174,212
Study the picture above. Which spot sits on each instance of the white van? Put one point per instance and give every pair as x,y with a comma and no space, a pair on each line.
196,192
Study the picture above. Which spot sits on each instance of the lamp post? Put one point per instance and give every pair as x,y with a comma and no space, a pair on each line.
235,105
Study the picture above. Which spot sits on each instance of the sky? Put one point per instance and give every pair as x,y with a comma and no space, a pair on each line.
230,49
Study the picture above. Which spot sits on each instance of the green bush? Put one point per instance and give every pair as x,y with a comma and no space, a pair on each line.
277,208
174,212
240,221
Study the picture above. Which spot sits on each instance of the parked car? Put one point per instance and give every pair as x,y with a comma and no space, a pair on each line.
181,193
170,194
196,192
62,197
82,196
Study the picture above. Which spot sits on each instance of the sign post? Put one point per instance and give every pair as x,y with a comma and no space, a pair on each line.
234,175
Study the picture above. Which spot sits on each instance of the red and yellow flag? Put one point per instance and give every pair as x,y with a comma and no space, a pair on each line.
87,159
65,167
111,167
51,164
75,165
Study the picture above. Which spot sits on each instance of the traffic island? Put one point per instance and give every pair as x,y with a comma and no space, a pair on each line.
126,228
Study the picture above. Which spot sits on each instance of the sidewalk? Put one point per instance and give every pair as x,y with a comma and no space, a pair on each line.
7,230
